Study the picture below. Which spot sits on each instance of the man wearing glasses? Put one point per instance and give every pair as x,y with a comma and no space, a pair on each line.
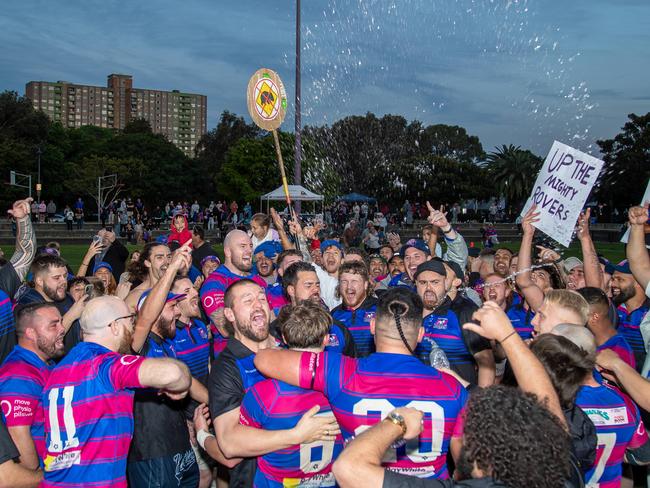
88,398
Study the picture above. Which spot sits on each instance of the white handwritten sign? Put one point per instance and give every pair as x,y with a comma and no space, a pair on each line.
561,190
646,198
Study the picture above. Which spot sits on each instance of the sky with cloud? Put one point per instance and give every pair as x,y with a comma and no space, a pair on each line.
520,72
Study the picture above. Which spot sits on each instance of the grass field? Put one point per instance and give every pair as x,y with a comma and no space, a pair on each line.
74,253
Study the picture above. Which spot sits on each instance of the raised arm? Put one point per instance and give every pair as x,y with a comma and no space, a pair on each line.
279,227
529,371
94,249
25,250
155,302
532,293
280,364
592,270
637,254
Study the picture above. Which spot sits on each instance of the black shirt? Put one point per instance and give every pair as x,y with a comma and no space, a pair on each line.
160,428
8,451
203,251
396,480
116,255
233,372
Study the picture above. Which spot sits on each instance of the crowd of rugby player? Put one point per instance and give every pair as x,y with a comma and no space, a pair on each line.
298,362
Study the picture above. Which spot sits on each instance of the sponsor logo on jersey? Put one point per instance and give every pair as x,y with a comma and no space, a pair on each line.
441,323
607,416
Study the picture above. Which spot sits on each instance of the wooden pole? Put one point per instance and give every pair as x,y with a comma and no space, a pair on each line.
285,186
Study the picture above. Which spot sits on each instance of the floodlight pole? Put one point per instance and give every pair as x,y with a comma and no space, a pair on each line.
297,170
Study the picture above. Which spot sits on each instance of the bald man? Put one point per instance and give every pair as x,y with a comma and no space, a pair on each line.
238,249
92,389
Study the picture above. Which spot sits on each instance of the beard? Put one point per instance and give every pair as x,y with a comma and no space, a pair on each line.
238,263
50,348
248,331
54,294
167,328
125,343
623,296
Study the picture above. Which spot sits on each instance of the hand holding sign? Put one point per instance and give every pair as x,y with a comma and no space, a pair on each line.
531,217
561,190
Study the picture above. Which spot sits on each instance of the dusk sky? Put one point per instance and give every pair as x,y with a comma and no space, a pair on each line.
520,72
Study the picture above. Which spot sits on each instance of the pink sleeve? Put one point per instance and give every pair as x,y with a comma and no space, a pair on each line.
640,436
460,424
123,371
312,371
19,410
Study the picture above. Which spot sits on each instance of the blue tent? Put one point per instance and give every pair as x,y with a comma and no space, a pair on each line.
357,197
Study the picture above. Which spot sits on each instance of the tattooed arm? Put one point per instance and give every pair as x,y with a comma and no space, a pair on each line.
25,238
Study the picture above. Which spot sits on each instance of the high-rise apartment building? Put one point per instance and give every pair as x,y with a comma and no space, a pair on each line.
182,117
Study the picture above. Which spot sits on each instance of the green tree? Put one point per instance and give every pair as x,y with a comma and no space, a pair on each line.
627,163
251,168
512,172
451,141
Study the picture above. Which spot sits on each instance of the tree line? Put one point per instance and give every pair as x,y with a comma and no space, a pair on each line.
386,157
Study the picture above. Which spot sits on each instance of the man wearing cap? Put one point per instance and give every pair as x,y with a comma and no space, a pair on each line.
113,252
575,271
265,257
92,386
633,305
414,253
104,272
161,451
469,355
238,249
209,264
358,308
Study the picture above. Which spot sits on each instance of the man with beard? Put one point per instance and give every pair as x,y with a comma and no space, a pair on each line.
395,266
363,391
92,386
192,346
24,373
414,253
502,258
150,266
275,292
232,374
301,284
633,305
238,250
358,307
50,276
469,355
265,259
161,451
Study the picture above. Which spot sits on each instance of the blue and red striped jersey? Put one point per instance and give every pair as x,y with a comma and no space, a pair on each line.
88,406
363,391
274,405
22,378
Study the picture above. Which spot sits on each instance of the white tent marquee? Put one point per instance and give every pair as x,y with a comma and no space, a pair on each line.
297,192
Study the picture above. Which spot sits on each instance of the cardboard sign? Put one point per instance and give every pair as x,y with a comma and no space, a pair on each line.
646,198
561,190
266,99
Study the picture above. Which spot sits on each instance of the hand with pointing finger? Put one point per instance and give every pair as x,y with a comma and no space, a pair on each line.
438,218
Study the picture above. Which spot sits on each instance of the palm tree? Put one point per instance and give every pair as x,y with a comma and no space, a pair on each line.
512,171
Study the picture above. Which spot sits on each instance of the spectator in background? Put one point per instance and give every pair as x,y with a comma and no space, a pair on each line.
42,211
68,216
51,210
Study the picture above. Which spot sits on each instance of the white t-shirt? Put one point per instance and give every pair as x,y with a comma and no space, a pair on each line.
328,286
